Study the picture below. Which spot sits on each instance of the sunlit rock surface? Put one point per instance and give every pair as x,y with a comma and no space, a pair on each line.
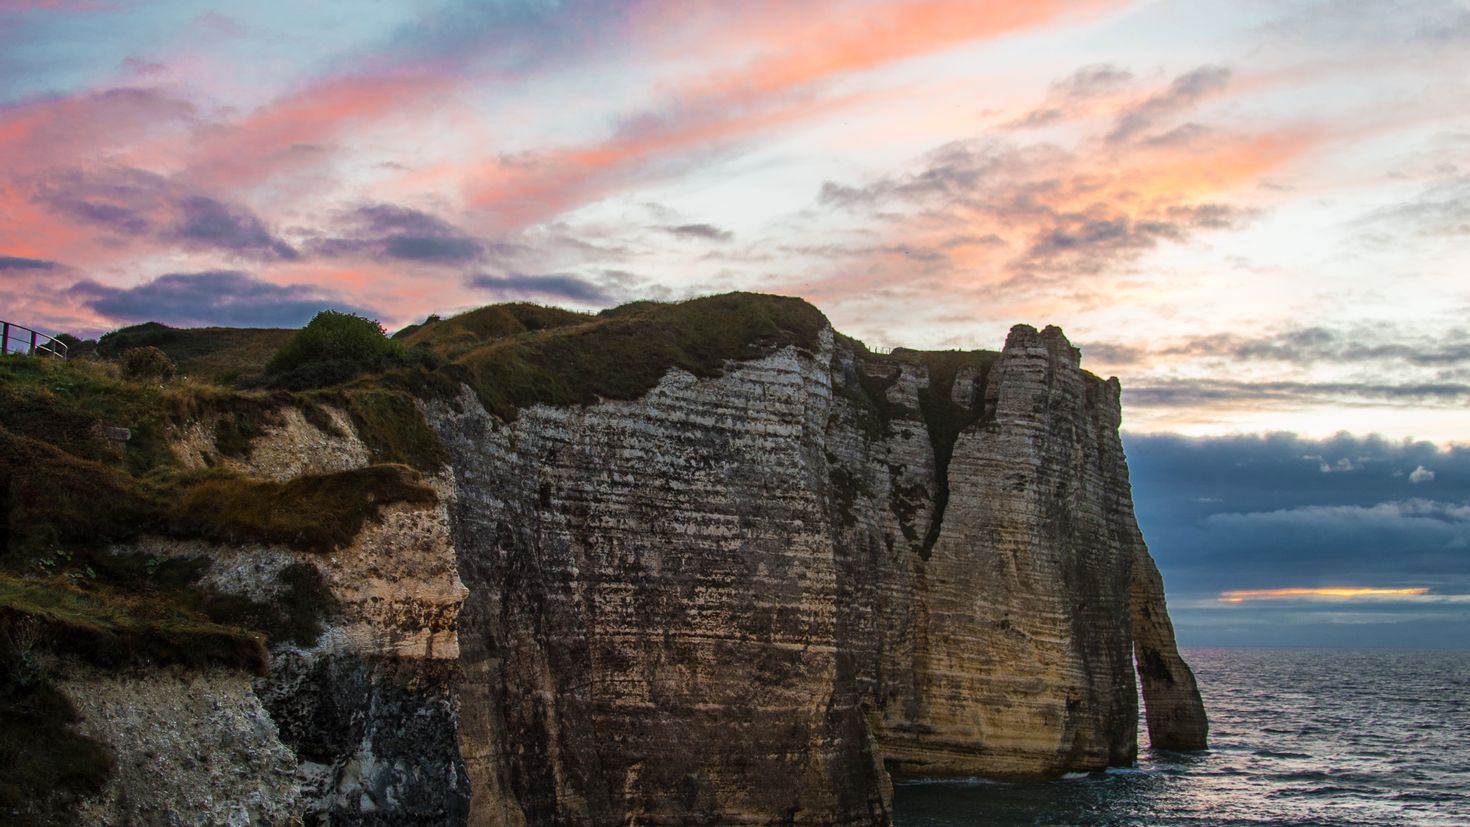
755,597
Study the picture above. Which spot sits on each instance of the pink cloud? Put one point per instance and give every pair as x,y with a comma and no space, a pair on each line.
797,48
267,142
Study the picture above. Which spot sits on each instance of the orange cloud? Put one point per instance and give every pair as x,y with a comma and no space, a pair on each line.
800,46
797,47
1223,166
1274,594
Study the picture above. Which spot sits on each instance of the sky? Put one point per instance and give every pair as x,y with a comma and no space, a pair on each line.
1254,213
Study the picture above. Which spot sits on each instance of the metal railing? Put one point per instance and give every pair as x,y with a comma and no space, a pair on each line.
15,338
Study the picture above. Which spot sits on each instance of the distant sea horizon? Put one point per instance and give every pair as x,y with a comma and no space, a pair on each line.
1302,736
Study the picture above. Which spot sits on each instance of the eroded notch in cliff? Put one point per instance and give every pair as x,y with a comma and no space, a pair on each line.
952,401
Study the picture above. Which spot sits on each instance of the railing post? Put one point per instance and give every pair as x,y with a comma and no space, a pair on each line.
5,340
33,343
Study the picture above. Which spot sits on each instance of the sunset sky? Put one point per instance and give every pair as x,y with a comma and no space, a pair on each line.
1255,213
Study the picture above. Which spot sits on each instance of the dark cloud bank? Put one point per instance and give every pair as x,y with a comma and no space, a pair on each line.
568,286
21,264
226,298
403,233
1282,511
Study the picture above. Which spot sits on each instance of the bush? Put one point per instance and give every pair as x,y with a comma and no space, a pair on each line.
333,348
77,347
147,363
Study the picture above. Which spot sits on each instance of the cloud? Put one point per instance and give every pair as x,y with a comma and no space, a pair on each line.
41,133
1441,209
388,230
142,66
1241,595
550,285
778,62
707,232
134,203
280,137
1203,392
218,297
1421,474
1383,514
1098,238
1365,344
1451,28
1092,81
1185,91
1071,96
1059,213
1254,513
22,264
211,223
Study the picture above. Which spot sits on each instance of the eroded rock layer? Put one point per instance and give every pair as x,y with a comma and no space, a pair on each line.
753,597
748,598
355,725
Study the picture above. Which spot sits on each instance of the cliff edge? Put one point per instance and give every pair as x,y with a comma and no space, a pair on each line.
708,562
763,593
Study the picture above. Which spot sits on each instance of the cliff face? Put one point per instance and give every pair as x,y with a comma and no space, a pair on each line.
755,596
752,595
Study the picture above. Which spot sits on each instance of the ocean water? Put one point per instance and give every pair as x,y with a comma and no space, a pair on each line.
1298,737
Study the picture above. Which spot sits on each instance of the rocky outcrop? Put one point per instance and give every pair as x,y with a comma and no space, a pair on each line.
189,747
751,597
1176,716
757,596
356,726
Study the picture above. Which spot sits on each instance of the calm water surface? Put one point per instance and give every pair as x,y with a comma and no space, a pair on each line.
1298,737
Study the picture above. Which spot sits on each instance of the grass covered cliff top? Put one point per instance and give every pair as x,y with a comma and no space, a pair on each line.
512,355
573,359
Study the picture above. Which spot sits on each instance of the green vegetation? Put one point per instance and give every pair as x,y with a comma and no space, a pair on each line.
334,348
57,505
622,355
148,362
389,423
317,512
114,628
467,331
226,355
67,403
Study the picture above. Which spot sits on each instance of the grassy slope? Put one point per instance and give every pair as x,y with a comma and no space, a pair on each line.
68,492
455,336
215,354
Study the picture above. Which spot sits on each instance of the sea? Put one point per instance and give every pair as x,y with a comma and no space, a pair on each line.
1297,737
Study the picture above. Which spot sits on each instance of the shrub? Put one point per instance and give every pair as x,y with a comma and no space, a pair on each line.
333,348
147,362
77,347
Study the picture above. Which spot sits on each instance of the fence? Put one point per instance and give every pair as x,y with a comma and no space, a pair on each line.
15,338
